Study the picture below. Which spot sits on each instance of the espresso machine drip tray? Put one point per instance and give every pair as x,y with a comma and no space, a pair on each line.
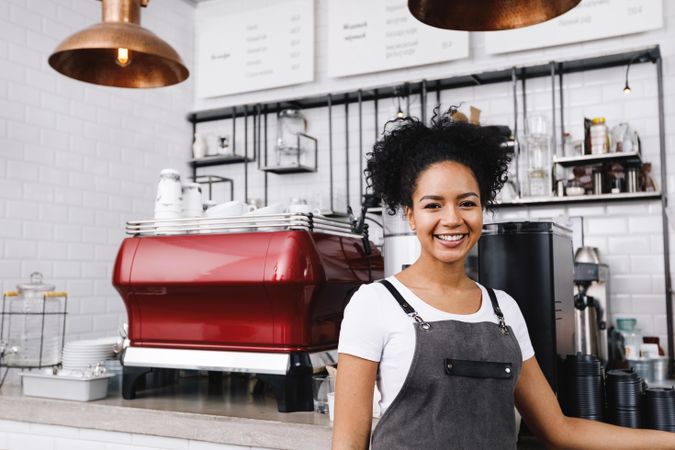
242,362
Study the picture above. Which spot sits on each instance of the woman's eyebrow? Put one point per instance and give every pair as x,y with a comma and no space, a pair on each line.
432,197
440,197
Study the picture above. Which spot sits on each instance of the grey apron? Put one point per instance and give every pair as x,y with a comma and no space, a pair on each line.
459,390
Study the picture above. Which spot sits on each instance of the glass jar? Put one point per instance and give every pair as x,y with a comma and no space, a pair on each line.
632,337
290,124
33,333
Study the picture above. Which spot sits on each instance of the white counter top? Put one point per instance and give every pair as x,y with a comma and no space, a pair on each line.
225,415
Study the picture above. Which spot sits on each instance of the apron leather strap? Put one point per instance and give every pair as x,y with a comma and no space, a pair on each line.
409,310
398,297
498,311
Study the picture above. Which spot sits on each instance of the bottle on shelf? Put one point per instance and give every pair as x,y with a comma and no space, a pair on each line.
599,136
199,147
570,147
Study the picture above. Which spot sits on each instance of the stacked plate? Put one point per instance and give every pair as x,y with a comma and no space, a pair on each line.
78,355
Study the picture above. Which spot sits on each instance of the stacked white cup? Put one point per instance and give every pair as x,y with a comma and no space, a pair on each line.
169,200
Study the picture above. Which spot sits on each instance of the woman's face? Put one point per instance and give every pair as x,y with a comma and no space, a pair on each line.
446,212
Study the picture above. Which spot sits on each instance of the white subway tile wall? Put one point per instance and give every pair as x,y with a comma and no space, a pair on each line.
77,160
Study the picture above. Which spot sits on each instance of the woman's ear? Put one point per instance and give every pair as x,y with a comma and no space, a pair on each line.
409,215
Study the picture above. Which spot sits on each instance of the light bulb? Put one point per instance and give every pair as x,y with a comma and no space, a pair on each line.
123,57
400,114
626,89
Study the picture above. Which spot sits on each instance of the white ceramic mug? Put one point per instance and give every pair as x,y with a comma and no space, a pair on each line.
192,200
274,208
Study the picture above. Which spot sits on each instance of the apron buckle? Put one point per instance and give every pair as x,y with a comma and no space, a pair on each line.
424,324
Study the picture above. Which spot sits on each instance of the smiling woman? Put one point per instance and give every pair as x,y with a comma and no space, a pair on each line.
451,358
447,217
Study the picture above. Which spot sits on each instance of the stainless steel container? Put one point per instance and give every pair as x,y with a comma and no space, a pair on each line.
643,367
401,246
597,182
632,176
660,368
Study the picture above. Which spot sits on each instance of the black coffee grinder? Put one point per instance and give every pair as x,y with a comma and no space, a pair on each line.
533,262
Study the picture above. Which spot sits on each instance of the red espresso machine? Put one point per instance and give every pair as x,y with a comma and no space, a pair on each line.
262,295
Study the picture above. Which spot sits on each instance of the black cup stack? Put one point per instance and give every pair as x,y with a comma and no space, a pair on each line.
624,398
585,387
659,406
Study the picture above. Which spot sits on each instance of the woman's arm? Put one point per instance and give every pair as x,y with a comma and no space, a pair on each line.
353,402
539,407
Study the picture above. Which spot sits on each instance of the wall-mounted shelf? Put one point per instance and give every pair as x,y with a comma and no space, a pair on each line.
541,201
295,164
585,160
218,160
282,170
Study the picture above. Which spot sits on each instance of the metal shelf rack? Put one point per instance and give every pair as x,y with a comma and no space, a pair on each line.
555,70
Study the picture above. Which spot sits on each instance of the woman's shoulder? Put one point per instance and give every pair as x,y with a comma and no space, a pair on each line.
506,303
369,295
374,298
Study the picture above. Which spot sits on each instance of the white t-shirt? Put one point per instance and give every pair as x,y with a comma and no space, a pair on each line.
375,327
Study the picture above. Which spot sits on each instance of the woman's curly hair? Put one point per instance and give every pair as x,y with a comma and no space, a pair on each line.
408,147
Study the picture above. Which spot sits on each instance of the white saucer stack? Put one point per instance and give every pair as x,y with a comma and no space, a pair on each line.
78,355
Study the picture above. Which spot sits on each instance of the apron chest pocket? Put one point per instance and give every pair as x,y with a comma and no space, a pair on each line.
478,369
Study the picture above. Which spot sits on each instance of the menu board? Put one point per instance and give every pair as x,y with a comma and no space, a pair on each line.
257,45
591,19
374,35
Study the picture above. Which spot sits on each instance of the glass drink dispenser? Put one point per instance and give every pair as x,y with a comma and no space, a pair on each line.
32,325
538,158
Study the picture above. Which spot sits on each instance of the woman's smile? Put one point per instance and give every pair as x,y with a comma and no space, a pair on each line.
450,239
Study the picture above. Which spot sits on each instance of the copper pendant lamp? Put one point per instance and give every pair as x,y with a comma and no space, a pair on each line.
119,52
487,15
